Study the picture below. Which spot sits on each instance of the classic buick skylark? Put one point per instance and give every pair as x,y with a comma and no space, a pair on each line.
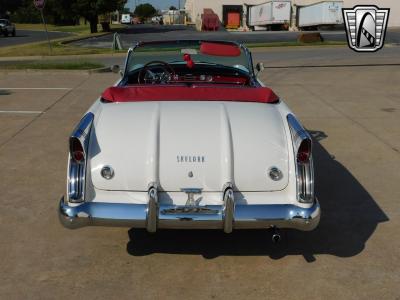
190,138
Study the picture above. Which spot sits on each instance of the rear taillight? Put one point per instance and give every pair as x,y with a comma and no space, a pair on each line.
78,147
76,150
304,152
302,148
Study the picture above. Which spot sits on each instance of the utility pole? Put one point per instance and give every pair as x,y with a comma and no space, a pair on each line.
179,11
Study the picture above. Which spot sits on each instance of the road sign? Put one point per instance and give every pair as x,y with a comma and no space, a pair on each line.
39,4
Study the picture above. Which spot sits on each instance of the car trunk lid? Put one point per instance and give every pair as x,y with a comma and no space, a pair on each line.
181,145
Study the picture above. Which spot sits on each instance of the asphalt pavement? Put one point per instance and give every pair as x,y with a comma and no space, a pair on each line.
30,36
135,33
353,114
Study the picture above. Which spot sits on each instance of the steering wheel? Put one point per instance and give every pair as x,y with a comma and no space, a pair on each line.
168,72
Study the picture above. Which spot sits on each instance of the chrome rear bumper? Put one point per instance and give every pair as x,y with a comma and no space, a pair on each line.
204,217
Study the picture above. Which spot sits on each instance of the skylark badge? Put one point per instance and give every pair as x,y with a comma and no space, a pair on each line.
366,27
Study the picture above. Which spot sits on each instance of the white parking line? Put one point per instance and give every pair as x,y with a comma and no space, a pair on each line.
34,112
8,88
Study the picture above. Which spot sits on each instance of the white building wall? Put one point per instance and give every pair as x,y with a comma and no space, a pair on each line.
195,7
394,5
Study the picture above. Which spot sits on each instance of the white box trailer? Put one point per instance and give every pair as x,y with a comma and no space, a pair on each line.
321,13
270,13
125,19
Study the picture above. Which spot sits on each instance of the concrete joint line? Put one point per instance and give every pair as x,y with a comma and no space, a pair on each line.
42,113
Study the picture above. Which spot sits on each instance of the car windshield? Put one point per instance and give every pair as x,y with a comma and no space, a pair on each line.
189,62
198,52
3,21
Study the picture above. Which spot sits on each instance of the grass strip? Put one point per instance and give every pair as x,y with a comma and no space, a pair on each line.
77,29
62,47
50,65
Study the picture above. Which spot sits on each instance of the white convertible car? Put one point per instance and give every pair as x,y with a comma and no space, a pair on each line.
189,138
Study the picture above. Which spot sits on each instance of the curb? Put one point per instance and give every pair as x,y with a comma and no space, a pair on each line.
73,40
89,37
100,70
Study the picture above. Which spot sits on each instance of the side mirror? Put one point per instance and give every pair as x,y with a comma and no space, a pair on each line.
260,67
115,69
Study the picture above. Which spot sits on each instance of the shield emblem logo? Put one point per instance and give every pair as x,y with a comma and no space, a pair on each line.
366,27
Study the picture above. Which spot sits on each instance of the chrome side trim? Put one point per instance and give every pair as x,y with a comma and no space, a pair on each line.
135,215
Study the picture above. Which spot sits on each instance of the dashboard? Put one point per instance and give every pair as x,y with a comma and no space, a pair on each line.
181,74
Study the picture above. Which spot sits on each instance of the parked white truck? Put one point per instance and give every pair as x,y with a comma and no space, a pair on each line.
270,15
320,14
126,19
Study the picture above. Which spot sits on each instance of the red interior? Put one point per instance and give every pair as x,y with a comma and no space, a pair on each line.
218,49
185,93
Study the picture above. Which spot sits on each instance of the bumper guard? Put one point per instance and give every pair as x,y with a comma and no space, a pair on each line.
154,216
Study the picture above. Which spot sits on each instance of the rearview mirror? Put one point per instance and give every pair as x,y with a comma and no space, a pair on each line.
260,67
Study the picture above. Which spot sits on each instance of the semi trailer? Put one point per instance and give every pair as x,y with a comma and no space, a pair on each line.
270,15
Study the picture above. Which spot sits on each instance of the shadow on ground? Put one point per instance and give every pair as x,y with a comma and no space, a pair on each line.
4,93
349,217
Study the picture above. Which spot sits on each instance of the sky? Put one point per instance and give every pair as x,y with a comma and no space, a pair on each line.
159,4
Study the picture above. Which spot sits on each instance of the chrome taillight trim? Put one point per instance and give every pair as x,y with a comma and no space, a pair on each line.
77,170
304,171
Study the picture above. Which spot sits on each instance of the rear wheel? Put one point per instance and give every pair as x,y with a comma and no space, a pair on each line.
5,32
14,33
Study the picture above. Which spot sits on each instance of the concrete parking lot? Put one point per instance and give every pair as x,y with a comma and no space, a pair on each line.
354,116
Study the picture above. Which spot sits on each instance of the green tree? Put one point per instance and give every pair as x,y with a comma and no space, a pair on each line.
9,6
27,13
62,12
57,12
91,9
125,10
145,11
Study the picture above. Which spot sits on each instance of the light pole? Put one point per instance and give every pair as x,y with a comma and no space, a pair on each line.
179,11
